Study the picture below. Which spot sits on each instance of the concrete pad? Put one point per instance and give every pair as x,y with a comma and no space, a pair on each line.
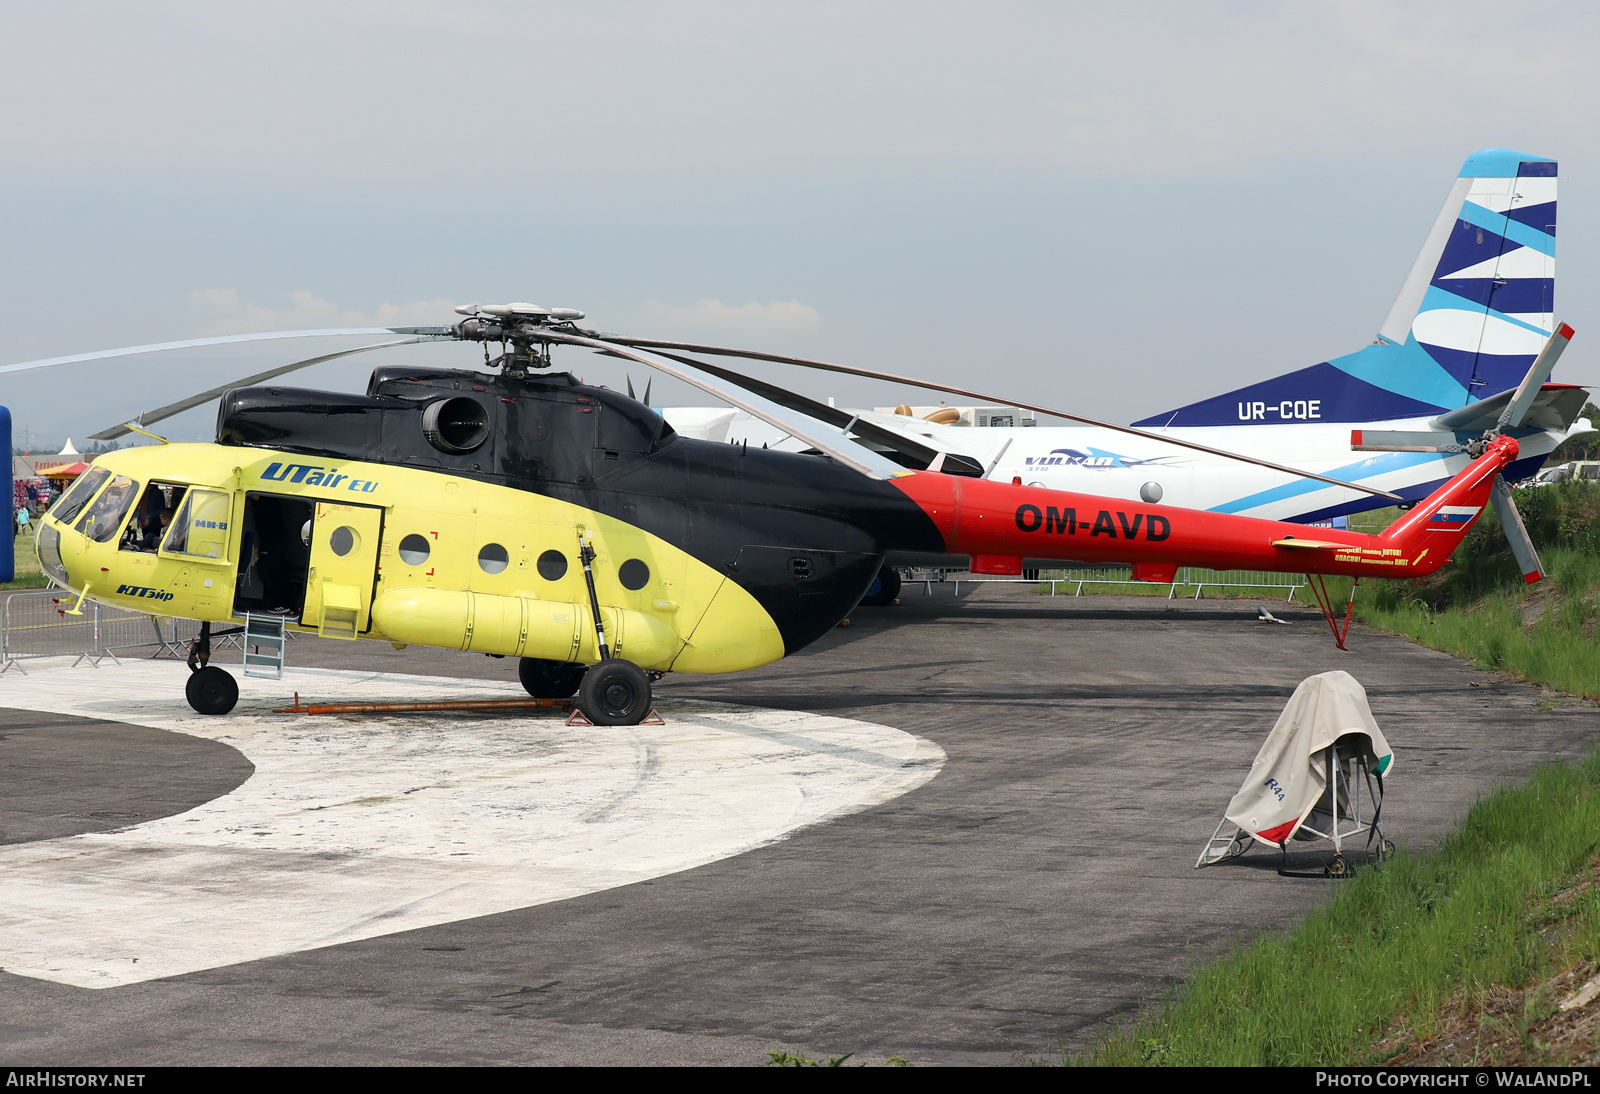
357,826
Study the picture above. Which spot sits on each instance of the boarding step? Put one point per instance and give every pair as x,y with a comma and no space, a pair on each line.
264,639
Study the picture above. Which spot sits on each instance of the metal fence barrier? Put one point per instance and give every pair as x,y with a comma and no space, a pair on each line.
1187,577
36,625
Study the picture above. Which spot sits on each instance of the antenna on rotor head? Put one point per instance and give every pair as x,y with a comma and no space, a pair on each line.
516,327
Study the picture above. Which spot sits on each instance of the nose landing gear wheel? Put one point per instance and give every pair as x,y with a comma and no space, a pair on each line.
615,693
211,690
549,679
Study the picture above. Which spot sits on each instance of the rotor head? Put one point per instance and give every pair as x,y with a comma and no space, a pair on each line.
519,326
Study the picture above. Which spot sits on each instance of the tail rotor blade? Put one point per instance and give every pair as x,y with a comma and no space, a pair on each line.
1516,533
1543,365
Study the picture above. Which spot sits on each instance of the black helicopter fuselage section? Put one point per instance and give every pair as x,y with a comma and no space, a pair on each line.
803,534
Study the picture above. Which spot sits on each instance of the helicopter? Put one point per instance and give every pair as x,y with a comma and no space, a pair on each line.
520,512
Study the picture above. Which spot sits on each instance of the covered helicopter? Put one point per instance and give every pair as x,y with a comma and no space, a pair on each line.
527,514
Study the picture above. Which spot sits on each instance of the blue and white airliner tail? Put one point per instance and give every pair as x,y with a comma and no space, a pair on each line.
1469,319
1471,316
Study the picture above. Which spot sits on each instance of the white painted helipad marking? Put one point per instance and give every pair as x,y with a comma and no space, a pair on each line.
361,825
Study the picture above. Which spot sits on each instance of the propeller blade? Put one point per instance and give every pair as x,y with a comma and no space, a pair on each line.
422,333
839,419
629,378
1516,410
862,459
150,417
648,380
1516,533
981,397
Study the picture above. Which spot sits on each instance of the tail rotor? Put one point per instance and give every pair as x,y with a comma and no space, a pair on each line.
1512,417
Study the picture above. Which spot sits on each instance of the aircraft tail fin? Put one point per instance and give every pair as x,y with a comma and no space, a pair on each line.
1470,317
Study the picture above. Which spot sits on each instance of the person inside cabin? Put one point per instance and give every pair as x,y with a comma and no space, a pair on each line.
149,515
251,587
153,535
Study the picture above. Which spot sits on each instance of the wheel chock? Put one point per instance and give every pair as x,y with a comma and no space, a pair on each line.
578,718
652,719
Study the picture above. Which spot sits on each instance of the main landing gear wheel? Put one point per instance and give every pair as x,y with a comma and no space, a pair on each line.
211,690
884,588
549,679
615,693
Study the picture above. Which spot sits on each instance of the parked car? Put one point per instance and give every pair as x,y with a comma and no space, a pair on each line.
1575,471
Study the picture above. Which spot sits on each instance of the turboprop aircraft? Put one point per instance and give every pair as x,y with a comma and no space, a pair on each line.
527,514
1468,320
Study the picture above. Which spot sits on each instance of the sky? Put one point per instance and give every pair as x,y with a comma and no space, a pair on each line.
1114,209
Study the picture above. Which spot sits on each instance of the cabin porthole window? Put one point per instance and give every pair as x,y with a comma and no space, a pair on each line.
414,550
343,541
633,574
552,565
493,558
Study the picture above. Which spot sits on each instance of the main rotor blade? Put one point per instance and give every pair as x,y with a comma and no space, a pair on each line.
1516,532
892,378
150,417
1544,364
422,333
862,460
840,419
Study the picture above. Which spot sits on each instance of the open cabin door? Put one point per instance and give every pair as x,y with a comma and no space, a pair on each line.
344,567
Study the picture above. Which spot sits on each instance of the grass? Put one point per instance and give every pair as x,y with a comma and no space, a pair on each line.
1544,635
27,574
1478,608
1401,952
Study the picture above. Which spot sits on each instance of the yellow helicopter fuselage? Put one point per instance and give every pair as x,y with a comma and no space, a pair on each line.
406,555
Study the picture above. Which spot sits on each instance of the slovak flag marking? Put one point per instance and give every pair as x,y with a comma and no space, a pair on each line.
1453,516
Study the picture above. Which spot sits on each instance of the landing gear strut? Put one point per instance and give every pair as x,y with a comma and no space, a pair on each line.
614,692
210,690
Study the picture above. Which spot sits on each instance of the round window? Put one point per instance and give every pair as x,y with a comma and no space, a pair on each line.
344,540
633,574
493,559
552,565
414,550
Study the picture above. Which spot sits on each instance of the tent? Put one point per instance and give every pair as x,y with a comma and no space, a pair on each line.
70,471
1325,735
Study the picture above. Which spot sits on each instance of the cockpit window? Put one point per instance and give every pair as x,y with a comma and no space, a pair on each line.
104,517
73,501
201,527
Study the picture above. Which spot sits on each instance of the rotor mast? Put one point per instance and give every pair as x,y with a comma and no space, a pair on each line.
518,328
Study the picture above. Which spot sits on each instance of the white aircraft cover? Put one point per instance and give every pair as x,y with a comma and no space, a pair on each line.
1289,774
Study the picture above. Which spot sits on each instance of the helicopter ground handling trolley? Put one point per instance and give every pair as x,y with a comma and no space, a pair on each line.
1318,777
